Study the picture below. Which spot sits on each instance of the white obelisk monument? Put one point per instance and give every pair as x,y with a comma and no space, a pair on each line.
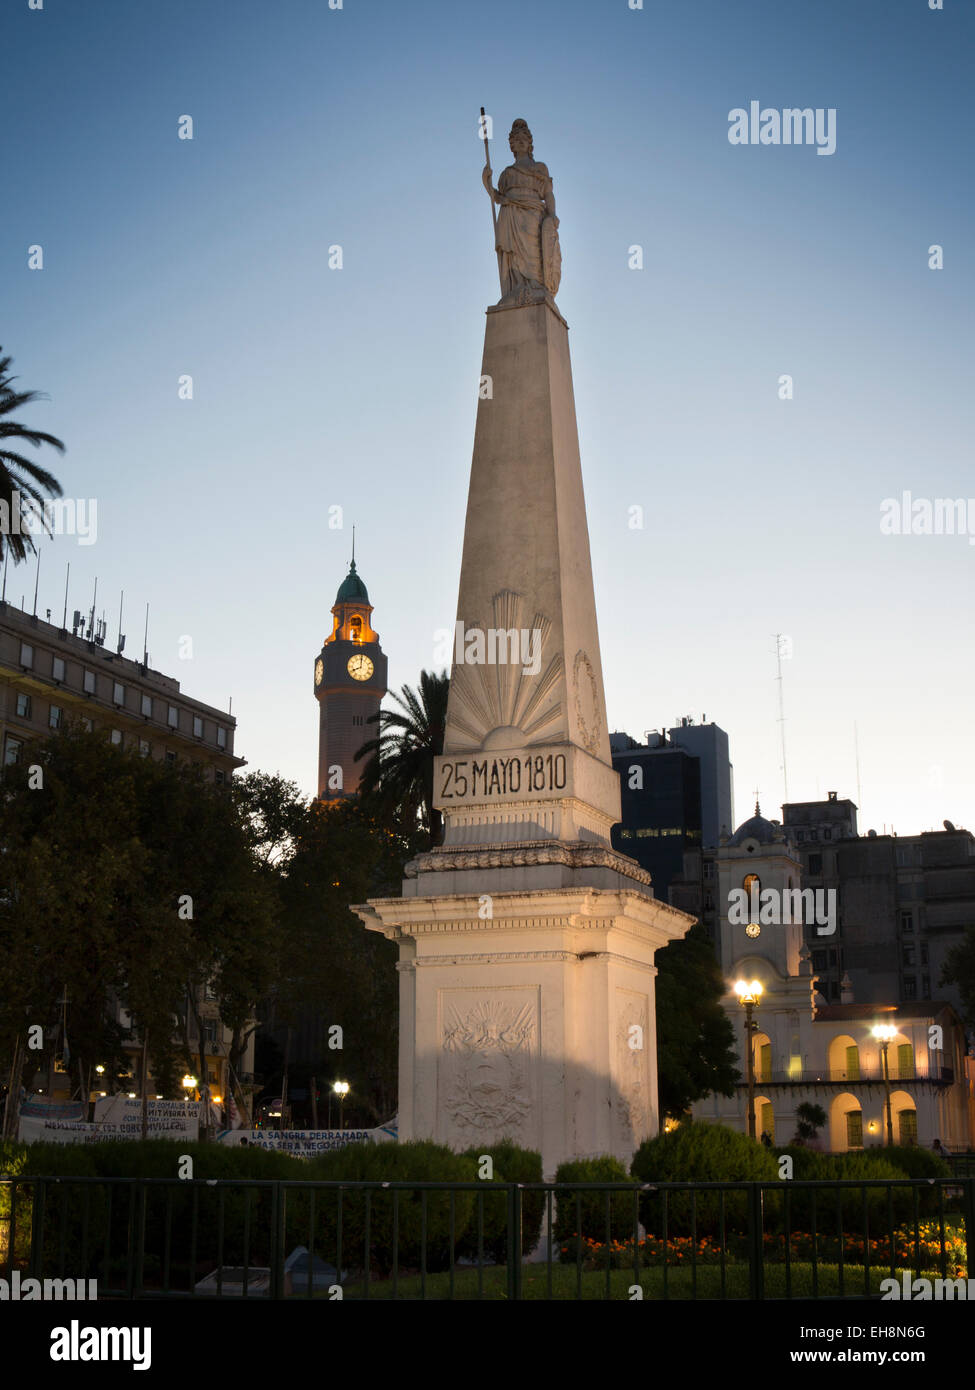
526,942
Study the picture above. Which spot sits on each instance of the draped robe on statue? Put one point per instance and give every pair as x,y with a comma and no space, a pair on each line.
520,218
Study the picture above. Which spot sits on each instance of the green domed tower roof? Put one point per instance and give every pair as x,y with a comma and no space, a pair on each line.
352,589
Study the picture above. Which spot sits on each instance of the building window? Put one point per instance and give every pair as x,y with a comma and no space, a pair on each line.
751,883
147,706
57,669
170,756
219,777
87,725
905,1060
854,1129
853,1063
117,737
145,748
11,751
708,903
834,989
819,960
902,857
924,953
55,716
221,738
907,1127
827,834
815,863
197,726
709,868
907,921
26,655
908,955
23,706
910,987
172,718
814,834
925,986
800,837
118,693
89,682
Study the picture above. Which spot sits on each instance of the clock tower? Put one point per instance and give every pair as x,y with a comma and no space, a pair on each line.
350,682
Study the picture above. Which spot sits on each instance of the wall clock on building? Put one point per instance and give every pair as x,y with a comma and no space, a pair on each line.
753,930
360,668
319,671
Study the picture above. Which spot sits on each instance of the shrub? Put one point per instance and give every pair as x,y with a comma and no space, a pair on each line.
511,1164
913,1161
588,1214
700,1153
417,1161
841,1209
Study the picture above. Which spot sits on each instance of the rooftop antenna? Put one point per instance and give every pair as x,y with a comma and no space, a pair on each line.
353,547
145,640
64,619
856,749
3,593
37,579
91,616
780,643
120,648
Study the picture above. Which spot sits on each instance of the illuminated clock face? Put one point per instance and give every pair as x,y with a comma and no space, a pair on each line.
360,668
319,671
753,930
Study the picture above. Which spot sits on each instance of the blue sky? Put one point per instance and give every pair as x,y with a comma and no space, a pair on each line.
316,388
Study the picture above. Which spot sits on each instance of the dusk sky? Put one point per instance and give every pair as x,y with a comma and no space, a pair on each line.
316,388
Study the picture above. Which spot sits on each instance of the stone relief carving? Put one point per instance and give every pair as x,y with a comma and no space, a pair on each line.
486,1065
588,715
501,697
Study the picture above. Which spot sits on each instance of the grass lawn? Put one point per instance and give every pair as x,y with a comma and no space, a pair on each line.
567,1284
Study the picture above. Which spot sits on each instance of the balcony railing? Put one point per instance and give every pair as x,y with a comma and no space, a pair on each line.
828,1076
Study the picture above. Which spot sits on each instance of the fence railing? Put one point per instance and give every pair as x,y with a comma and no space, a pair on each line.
235,1238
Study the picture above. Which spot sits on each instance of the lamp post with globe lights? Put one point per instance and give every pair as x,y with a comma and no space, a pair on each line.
884,1032
341,1089
749,992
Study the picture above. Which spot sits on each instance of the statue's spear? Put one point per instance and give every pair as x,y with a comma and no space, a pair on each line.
494,215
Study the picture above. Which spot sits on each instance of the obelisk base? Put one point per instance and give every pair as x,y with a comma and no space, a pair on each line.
529,1016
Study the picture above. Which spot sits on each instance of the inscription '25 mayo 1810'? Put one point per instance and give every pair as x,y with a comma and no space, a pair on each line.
463,779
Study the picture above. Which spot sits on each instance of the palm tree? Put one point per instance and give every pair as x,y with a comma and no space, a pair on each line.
399,772
18,474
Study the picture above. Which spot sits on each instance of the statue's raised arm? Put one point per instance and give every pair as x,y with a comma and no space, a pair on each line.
526,234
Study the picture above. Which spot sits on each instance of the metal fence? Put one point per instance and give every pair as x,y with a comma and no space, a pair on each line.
230,1239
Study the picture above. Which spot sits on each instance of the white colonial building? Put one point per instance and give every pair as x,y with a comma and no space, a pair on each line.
807,1050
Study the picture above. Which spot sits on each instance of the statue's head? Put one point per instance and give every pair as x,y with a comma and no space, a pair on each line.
520,138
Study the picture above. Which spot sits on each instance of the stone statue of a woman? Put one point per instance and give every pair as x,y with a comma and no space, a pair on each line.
527,241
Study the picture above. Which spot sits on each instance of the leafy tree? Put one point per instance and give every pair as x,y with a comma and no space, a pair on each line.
331,967
695,1040
398,778
131,881
17,473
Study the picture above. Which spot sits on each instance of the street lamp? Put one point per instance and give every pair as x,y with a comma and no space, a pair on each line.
341,1089
749,992
884,1032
